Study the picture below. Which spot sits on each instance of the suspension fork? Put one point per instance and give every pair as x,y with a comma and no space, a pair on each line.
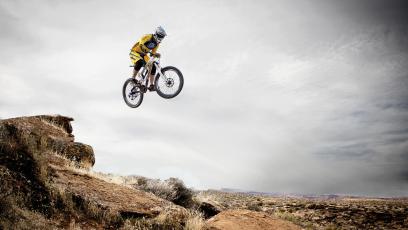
159,72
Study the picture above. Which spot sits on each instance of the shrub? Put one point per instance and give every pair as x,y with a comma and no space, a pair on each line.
172,189
254,207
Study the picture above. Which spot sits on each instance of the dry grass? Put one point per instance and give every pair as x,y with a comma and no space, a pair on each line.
290,217
53,124
195,220
14,217
165,220
74,205
99,213
171,189
161,222
116,179
7,183
141,224
83,170
191,220
73,225
70,164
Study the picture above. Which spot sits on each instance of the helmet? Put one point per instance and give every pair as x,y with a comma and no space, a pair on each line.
159,34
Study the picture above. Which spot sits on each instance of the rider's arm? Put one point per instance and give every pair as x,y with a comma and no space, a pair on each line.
154,51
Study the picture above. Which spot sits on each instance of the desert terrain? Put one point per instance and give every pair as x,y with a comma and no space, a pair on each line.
47,182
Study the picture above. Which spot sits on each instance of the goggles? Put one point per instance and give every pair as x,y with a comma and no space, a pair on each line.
161,36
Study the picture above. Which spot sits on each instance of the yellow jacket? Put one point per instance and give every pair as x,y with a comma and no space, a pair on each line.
146,44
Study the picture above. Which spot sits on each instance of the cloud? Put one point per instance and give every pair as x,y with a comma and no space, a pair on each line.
278,96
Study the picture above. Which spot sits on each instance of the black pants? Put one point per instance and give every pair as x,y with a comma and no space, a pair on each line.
140,63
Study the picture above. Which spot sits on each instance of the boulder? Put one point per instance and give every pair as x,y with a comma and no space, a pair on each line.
209,209
81,154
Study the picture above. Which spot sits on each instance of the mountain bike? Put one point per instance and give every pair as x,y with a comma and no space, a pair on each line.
168,83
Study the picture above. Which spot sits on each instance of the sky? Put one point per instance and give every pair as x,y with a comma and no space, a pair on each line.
305,97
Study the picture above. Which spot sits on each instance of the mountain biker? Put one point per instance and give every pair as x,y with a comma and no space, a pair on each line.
149,43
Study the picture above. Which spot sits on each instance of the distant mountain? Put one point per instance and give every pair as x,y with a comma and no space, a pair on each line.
294,195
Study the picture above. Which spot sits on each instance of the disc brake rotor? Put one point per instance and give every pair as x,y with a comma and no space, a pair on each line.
169,82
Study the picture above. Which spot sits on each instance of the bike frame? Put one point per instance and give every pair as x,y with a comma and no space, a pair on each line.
145,70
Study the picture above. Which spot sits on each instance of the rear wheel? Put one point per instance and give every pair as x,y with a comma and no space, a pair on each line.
170,84
132,94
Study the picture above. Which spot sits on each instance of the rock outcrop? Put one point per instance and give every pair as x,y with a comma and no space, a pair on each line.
209,209
45,180
43,135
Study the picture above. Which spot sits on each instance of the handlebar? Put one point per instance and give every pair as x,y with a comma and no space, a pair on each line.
151,54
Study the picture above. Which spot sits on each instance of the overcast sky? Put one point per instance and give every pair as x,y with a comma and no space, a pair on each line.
305,96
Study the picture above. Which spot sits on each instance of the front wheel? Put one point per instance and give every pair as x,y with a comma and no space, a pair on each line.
132,94
169,85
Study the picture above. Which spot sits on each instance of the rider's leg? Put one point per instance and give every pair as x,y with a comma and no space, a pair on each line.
135,73
137,67
151,77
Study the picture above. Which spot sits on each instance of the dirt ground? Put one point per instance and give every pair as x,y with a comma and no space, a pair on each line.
319,212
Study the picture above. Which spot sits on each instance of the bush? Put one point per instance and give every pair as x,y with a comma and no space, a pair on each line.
172,189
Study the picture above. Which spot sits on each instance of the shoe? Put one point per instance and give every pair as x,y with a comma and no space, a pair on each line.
151,88
143,88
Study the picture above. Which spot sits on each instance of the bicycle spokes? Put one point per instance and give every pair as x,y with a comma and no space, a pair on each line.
170,83
132,93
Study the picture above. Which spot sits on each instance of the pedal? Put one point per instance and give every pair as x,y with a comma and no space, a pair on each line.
143,88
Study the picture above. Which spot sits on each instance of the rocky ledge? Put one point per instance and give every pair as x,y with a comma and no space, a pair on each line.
46,181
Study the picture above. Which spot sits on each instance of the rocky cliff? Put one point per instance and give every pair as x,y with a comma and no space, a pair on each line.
47,182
